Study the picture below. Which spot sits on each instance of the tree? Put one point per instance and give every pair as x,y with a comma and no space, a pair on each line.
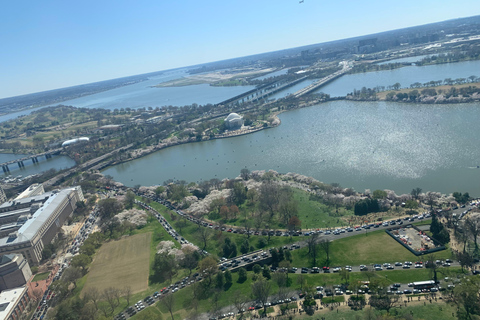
109,207
383,301
432,267
245,247
261,291
229,248
111,295
396,86
127,291
219,280
325,245
81,261
228,278
416,192
240,302
208,267
164,266
239,193
257,268
245,174
473,226
312,243
159,190
203,235
379,194
466,296
266,272
242,275
294,223
71,275
270,195
465,259
169,302
129,200
345,275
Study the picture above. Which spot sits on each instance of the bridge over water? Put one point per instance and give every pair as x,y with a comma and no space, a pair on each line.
263,92
321,82
33,157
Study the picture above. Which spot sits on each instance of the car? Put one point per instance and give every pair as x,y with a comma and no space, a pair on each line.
406,266
407,291
363,267
398,264
390,267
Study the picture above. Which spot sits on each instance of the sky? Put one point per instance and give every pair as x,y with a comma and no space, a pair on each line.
53,44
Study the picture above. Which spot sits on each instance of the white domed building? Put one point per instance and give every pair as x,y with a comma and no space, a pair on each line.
234,121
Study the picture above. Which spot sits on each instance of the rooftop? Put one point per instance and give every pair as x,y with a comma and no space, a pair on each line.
30,228
8,299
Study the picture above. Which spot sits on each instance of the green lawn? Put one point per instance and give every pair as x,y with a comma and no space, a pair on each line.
190,231
40,276
314,214
434,311
364,248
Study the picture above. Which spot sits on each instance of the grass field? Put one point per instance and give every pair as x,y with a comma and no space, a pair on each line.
373,247
122,263
435,311
40,276
190,232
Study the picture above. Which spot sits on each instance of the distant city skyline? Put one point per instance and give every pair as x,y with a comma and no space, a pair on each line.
55,44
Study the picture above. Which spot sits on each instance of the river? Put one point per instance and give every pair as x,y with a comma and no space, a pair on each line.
56,162
375,145
405,76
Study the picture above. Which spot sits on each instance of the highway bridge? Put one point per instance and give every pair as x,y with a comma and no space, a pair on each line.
33,157
317,84
263,92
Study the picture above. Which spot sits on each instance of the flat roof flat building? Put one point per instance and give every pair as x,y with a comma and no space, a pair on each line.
42,218
13,302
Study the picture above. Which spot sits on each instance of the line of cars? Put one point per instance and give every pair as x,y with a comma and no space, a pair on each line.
82,235
164,223
158,295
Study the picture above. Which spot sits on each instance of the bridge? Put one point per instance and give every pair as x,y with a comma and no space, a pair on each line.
317,84
33,157
262,92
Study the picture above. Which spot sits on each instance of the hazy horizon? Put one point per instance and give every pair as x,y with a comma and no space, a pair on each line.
59,45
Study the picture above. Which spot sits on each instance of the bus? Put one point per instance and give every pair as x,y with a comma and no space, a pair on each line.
421,285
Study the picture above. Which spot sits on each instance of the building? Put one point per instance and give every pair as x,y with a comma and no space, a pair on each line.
233,121
13,302
35,221
14,271
73,141
3,197
34,190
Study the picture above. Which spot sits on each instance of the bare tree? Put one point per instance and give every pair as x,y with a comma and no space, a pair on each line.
92,294
473,226
312,243
127,291
37,294
204,235
240,302
325,245
111,295
169,302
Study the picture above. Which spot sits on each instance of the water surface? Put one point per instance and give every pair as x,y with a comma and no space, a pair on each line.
377,145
